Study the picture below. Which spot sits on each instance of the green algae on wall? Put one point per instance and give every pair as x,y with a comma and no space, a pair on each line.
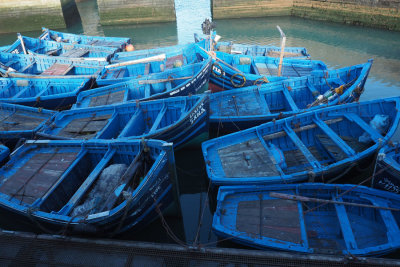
380,14
250,8
141,11
25,15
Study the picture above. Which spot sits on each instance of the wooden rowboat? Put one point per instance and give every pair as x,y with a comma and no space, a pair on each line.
236,71
51,35
250,106
181,120
310,218
44,67
45,93
139,65
183,81
323,144
27,45
98,187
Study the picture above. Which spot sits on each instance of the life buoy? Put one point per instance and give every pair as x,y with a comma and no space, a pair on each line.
236,84
260,81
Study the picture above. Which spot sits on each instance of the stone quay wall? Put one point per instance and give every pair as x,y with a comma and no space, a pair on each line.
138,11
224,9
25,15
375,13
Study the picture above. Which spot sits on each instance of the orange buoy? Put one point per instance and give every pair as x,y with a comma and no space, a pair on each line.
130,48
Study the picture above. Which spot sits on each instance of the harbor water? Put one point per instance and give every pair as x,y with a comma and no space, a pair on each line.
338,45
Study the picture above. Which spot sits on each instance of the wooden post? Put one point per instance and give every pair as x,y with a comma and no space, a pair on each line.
283,42
22,43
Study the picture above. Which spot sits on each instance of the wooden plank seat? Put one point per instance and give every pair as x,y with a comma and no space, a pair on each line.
58,69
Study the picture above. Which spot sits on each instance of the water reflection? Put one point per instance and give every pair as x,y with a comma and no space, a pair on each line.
189,16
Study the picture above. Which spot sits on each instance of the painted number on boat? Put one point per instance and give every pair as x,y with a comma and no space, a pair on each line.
389,185
197,113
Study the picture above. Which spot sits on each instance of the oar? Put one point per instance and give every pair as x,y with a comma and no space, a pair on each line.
137,61
220,60
163,80
318,200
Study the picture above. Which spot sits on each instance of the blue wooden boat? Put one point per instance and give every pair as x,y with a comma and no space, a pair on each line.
310,218
261,50
387,170
45,93
145,53
101,187
21,122
320,145
251,49
183,81
136,66
27,45
236,71
181,120
44,67
51,35
4,152
250,106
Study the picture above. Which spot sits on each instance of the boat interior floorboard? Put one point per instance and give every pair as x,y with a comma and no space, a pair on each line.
85,127
19,121
107,99
37,176
248,159
273,218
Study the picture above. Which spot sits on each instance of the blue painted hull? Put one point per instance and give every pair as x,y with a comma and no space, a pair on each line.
319,145
51,48
187,80
256,70
247,107
177,120
51,212
44,67
310,226
387,169
45,93
251,49
116,42
175,58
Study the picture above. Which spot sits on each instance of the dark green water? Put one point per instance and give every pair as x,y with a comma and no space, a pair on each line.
336,44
